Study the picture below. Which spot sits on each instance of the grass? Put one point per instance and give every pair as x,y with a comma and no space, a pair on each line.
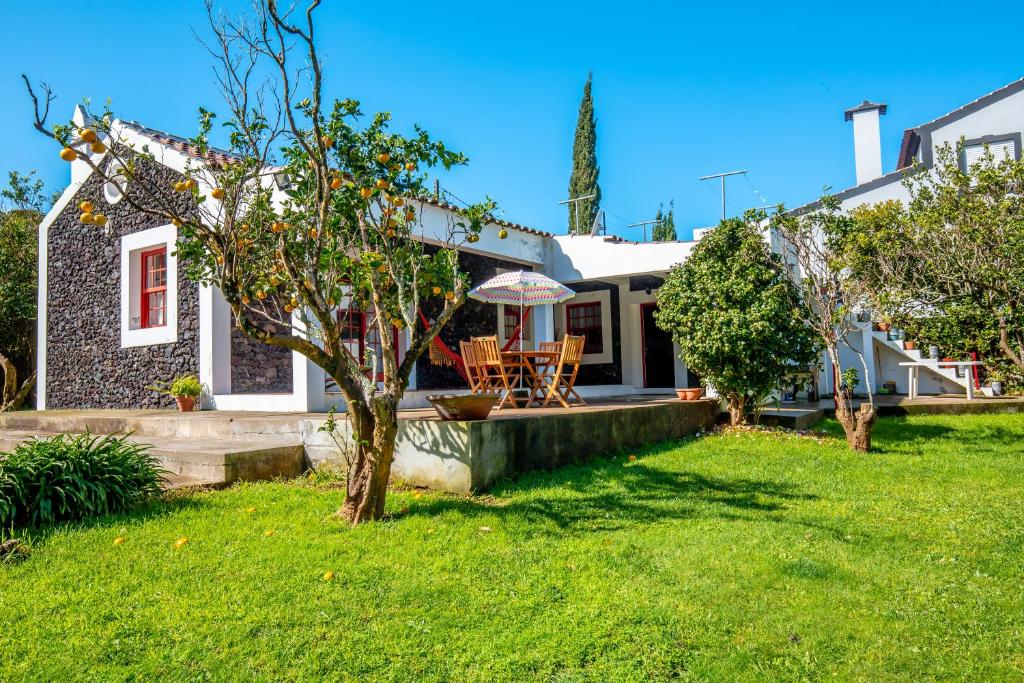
729,557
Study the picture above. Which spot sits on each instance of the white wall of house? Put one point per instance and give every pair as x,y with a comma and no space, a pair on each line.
572,258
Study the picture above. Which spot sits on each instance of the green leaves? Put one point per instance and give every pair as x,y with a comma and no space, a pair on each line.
730,308
63,478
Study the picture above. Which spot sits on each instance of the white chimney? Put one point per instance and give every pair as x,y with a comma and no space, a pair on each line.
867,139
80,169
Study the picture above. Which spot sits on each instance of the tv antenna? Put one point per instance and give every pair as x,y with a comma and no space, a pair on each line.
576,213
723,176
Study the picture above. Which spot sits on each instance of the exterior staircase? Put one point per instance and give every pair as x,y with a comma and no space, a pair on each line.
945,374
199,449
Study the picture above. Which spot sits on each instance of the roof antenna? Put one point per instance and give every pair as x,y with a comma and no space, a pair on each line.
723,176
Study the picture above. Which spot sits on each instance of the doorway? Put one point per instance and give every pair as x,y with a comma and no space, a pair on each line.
656,347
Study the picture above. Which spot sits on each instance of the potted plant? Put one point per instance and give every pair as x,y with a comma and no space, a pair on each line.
690,393
884,326
909,345
464,406
996,377
185,389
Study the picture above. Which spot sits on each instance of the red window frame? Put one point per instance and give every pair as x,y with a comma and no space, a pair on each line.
147,290
354,323
588,323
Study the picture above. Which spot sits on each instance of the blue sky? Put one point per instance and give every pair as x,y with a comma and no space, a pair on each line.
680,90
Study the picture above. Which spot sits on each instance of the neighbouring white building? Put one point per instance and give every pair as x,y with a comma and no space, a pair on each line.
995,120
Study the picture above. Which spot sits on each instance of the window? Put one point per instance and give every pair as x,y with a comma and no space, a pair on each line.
153,307
510,318
974,152
149,287
359,334
585,319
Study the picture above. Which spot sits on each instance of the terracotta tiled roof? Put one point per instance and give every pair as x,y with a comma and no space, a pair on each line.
185,146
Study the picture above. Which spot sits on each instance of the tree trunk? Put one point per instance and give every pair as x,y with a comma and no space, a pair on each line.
374,429
857,424
737,409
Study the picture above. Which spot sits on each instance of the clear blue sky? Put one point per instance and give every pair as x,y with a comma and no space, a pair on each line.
680,90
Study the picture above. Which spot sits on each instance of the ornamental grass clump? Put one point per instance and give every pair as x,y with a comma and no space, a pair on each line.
70,477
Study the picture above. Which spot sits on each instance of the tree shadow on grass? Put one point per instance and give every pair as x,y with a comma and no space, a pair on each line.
902,434
611,495
156,509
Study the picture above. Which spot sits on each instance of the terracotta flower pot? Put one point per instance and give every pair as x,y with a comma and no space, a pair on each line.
690,394
186,404
884,327
909,345
464,407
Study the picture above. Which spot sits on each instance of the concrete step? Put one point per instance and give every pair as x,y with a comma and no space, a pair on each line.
792,417
156,423
207,462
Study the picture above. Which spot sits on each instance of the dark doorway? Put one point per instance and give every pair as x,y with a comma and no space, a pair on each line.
656,345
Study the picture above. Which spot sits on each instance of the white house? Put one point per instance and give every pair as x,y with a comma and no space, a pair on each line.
995,120
116,313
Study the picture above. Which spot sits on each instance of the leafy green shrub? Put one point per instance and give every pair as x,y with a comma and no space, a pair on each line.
69,477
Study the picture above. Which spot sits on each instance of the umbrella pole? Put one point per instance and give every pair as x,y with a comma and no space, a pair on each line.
522,322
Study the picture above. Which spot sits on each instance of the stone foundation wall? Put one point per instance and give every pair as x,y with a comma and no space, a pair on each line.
85,364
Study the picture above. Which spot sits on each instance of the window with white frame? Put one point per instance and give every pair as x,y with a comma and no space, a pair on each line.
590,314
149,287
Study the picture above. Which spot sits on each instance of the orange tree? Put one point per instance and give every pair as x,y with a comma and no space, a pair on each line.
310,208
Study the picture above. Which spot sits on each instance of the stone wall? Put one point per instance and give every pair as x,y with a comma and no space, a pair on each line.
474,319
85,364
258,368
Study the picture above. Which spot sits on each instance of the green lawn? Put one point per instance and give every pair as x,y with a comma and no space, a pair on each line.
737,556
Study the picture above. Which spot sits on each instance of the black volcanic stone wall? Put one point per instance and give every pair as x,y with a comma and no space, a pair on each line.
603,373
258,368
85,364
474,319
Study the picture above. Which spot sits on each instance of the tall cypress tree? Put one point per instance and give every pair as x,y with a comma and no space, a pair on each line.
665,229
583,180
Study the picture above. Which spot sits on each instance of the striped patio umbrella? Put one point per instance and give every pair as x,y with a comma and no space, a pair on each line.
523,287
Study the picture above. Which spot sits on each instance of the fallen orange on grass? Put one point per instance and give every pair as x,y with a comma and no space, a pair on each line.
181,542
119,540
328,576
268,532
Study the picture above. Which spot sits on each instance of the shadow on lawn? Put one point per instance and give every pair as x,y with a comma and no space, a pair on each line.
902,434
608,495
156,509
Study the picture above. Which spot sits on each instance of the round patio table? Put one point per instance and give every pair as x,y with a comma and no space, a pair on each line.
529,361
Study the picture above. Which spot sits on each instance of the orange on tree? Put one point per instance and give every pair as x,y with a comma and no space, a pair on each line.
217,193
98,147
366,192
410,167
436,290
383,157
382,184
336,184
87,135
68,154
450,295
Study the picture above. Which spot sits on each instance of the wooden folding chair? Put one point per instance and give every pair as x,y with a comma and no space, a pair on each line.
562,382
543,367
473,376
493,373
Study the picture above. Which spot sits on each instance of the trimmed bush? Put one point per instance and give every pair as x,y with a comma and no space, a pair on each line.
69,477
